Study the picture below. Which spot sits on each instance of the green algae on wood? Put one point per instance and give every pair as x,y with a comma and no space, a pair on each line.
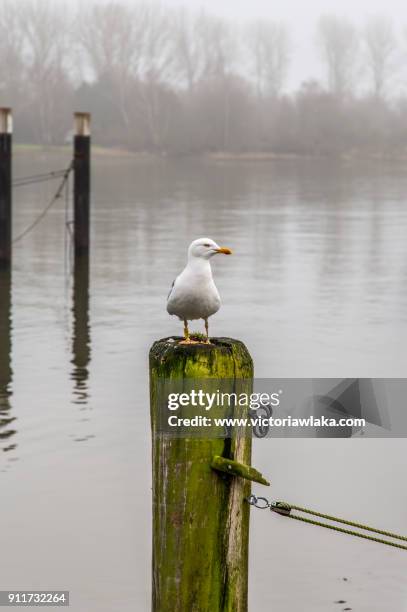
200,518
238,469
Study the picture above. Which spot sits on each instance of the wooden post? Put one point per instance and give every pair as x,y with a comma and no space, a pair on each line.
82,144
6,129
200,518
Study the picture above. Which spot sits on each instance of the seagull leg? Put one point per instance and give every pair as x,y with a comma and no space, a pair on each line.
207,341
187,339
186,331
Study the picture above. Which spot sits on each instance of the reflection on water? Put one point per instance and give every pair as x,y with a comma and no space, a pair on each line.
81,349
7,426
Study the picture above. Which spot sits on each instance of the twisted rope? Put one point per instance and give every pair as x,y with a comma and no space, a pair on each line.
389,534
285,509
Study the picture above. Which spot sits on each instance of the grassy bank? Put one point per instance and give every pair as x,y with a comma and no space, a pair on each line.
219,156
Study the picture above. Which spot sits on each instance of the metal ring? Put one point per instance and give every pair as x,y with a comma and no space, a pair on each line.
252,500
264,503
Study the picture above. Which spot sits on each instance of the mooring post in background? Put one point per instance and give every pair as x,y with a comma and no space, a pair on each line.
82,158
200,517
6,131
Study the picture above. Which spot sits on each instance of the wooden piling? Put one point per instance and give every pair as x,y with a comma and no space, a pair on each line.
6,129
82,161
200,518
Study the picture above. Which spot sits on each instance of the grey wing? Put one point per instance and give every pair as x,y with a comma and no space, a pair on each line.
172,287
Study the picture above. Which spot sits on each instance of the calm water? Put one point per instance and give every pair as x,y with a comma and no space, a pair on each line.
317,287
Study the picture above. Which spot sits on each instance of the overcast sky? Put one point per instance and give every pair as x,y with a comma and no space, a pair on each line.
301,17
297,10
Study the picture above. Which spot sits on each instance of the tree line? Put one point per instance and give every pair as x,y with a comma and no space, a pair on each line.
172,81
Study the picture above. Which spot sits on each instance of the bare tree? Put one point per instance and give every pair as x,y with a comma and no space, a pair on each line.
219,45
44,29
112,38
131,50
268,54
220,57
157,72
188,47
339,47
12,70
380,51
172,80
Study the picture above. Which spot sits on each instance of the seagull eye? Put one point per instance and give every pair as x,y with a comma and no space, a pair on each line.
207,245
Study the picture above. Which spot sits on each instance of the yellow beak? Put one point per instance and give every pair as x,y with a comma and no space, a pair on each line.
224,250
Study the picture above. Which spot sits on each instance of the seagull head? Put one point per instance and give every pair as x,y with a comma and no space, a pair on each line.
205,248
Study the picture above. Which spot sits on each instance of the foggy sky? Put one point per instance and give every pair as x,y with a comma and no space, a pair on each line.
301,17
296,9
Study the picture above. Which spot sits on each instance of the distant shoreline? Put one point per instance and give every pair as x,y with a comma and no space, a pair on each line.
270,156
219,156
96,150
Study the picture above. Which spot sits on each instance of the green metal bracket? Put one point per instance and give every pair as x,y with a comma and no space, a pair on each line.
220,464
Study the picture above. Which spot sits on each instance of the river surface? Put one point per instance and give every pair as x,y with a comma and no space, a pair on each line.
317,287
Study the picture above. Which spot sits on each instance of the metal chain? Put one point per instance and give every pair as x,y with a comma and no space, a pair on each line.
56,197
285,509
38,178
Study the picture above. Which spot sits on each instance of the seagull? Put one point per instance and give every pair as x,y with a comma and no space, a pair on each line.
193,294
